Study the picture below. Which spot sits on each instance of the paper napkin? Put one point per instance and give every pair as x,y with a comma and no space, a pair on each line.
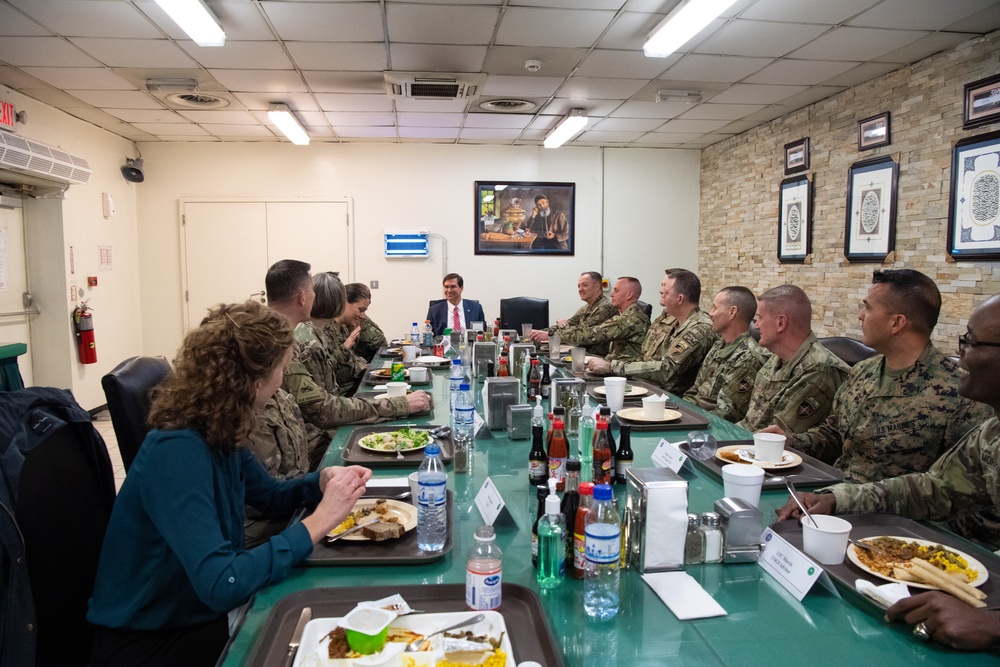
885,595
387,481
683,595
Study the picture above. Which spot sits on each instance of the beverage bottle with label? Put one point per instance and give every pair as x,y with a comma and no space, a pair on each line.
579,521
624,455
483,572
558,450
534,380
569,505
538,460
427,335
586,441
496,329
542,492
464,432
455,378
602,537
602,453
415,334
432,520
551,542
546,382
606,414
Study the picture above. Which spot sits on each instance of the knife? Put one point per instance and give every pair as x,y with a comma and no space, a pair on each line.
293,645
349,531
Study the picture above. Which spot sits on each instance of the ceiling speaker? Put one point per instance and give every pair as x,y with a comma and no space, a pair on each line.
132,170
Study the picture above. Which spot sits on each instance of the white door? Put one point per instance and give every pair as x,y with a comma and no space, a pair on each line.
314,232
14,328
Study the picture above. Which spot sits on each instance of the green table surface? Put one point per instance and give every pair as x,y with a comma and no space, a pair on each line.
764,622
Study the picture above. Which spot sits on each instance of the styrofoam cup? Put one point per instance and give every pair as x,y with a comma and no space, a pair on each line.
414,487
652,407
768,447
827,540
410,352
614,391
418,373
395,388
740,480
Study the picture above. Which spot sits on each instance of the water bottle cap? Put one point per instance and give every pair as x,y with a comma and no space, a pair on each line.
432,449
573,465
456,362
603,492
485,533
414,324
464,386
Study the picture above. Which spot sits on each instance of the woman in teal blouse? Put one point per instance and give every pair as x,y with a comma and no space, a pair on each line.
173,563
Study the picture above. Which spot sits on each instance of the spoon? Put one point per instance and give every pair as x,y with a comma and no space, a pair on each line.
417,643
795,497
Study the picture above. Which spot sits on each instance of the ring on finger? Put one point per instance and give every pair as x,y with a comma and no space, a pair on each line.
920,631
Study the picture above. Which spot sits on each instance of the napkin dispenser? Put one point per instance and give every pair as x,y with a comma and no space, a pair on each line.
742,525
482,352
655,521
519,422
498,394
516,350
562,386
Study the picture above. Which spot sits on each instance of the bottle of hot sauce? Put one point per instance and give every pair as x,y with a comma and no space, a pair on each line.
558,450
579,538
602,453
504,370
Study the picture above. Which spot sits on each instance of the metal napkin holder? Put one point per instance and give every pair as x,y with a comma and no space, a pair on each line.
519,422
482,351
562,386
498,394
742,525
655,521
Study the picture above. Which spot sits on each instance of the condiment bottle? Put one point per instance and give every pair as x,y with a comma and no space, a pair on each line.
606,414
624,456
558,450
602,453
712,536
504,370
579,543
694,542
542,492
546,382
538,459
569,505
534,380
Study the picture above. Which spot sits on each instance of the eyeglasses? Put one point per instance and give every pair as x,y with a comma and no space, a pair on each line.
965,342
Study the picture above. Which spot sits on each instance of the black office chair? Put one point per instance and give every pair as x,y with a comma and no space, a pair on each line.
647,308
127,389
522,309
851,351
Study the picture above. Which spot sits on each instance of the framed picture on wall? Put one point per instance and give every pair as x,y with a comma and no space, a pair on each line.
870,232
797,156
974,210
525,218
873,132
982,102
794,220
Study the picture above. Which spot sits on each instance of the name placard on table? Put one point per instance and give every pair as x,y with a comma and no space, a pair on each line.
796,572
669,455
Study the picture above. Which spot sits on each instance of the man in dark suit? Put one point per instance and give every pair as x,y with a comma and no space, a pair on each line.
453,312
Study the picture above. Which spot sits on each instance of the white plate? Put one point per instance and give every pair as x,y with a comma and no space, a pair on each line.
789,459
313,649
638,415
393,451
383,387
973,563
632,390
405,512
430,360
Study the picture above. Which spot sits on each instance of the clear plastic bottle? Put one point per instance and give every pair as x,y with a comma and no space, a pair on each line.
551,542
415,334
573,412
455,378
694,542
603,550
464,432
427,335
432,501
586,442
579,523
483,572
713,537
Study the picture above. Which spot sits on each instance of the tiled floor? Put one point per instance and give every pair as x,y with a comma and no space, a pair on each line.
102,422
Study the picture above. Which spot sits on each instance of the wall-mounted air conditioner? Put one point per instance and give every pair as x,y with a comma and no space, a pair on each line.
433,85
29,161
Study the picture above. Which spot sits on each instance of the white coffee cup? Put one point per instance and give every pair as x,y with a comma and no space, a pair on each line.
743,481
395,388
653,406
414,487
827,540
418,373
614,391
410,352
768,447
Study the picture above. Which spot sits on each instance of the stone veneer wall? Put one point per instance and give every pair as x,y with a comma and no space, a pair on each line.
739,194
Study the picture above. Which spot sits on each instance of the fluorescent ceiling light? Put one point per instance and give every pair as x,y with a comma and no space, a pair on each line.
567,128
196,20
281,116
680,25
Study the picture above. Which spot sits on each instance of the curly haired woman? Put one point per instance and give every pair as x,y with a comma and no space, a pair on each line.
173,563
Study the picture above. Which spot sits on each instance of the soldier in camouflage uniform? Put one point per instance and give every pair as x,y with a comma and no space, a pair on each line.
795,388
333,327
676,342
370,338
623,333
725,381
597,309
899,411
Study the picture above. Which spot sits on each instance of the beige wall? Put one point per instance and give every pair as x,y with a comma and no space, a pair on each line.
740,178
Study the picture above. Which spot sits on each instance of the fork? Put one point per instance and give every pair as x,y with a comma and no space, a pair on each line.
399,454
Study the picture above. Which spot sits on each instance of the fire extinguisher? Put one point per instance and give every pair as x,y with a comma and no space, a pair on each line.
83,323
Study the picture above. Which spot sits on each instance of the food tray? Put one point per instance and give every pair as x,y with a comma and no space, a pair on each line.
353,453
629,400
370,379
527,625
385,351
801,475
371,394
874,525
403,551
689,420
431,365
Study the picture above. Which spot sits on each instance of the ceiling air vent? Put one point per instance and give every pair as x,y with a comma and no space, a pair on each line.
29,161
433,86
507,105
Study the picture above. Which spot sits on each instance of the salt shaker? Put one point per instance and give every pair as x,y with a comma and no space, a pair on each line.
712,537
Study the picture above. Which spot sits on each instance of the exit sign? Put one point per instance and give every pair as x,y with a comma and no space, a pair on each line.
7,115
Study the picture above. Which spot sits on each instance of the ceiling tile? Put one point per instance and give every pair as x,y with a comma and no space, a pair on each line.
242,55
759,38
146,115
807,12
709,111
357,118
248,80
495,3
561,106
437,58
335,102
752,93
172,129
218,116
428,132
410,119
810,95
983,22
663,6
572,4
678,125
509,60
630,64
597,136
802,72
498,120
925,46
386,132
431,106
248,131
80,78
661,139
627,124
240,20
861,43
490,134
134,52
89,18
325,22
660,110
861,73
525,26
118,99
345,56
697,67
630,30
739,126
43,52
918,14
345,82
13,22
601,89
259,101
530,86
430,24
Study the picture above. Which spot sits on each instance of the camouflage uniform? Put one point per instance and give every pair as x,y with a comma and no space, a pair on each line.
347,366
963,481
370,340
878,430
672,352
310,379
798,394
589,315
624,332
725,380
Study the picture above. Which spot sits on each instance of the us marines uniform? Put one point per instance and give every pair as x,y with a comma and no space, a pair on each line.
880,428
725,381
589,315
623,333
798,394
963,481
671,353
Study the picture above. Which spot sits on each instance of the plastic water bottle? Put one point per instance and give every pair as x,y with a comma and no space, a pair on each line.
463,433
602,542
455,379
427,335
415,334
432,501
483,572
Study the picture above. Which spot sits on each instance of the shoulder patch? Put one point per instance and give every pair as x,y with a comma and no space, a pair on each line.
745,385
680,347
807,407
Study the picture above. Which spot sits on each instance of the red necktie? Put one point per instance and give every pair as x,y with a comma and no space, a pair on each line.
457,324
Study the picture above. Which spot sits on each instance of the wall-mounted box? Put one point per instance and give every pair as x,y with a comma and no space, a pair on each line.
407,244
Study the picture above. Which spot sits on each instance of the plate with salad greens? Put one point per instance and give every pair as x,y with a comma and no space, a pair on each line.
406,439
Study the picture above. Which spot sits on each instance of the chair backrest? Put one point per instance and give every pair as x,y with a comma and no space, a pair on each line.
647,308
127,389
851,351
522,309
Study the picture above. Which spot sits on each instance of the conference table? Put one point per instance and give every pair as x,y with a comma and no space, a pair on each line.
764,623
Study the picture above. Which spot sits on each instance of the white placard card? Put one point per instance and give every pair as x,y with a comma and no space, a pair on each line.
795,571
489,502
669,455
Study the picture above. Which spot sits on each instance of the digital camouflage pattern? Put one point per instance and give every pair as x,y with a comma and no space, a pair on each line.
370,340
878,430
796,395
318,398
671,353
623,333
590,314
347,366
725,381
964,481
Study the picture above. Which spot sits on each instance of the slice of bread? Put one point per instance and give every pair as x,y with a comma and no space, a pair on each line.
381,531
